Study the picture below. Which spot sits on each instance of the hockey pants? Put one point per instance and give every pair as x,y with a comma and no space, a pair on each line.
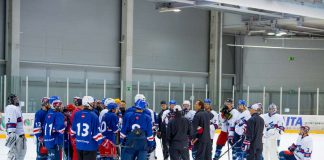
221,141
270,149
18,151
286,155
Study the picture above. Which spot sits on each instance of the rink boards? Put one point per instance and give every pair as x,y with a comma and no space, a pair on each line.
293,122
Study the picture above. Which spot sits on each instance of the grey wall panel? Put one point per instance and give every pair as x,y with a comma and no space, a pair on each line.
228,55
271,67
175,41
2,29
74,31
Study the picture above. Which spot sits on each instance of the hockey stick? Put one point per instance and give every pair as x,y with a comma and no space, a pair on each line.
228,153
229,148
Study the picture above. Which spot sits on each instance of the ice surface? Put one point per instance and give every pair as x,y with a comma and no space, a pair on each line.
286,141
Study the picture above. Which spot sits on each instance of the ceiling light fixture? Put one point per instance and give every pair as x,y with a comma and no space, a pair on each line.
164,9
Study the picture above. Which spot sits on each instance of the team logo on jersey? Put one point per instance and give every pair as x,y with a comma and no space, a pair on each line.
82,116
49,116
137,118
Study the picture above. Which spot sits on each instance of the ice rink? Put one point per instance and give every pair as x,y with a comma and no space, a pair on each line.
287,139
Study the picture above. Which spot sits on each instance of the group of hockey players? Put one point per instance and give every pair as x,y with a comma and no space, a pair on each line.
91,129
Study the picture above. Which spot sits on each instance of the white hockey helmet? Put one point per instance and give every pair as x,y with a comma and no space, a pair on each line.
272,108
108,101
87,100
177,108
139,97
186,102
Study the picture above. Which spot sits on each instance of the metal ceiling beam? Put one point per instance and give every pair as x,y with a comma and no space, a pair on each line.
241,10
278,6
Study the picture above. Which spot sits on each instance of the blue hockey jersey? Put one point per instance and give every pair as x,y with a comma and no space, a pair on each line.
109,126
85,128
131,110
53,129
39,122
139,120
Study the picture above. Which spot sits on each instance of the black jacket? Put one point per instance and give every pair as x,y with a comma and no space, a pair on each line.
254,133
201,119
178,132
162,127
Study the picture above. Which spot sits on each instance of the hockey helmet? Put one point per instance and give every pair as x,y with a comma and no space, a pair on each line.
177,108
172,102
272,108
87,101
207,101
139,96
140,104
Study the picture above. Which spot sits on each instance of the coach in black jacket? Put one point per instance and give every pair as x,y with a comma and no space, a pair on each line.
201,122
255,125
178,133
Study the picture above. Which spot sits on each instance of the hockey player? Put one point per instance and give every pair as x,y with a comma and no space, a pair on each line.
105,101
252,144
136,135
78,104
15,141
85,128
214,118
109,129
68,151
229,116
201,133
133,108
240,129
274,127
54,129
39,129
178,132
161,134
302,150
167,115
186,110
154,117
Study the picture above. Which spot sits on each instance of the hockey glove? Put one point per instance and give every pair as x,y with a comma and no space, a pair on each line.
292,148
246,145
40,139
216,126
158,135
11,139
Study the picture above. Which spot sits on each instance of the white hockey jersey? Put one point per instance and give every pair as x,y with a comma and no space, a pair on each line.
223,122
213,122
241,123
304,148
190,115
102,113
231,122
273,125
14,120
